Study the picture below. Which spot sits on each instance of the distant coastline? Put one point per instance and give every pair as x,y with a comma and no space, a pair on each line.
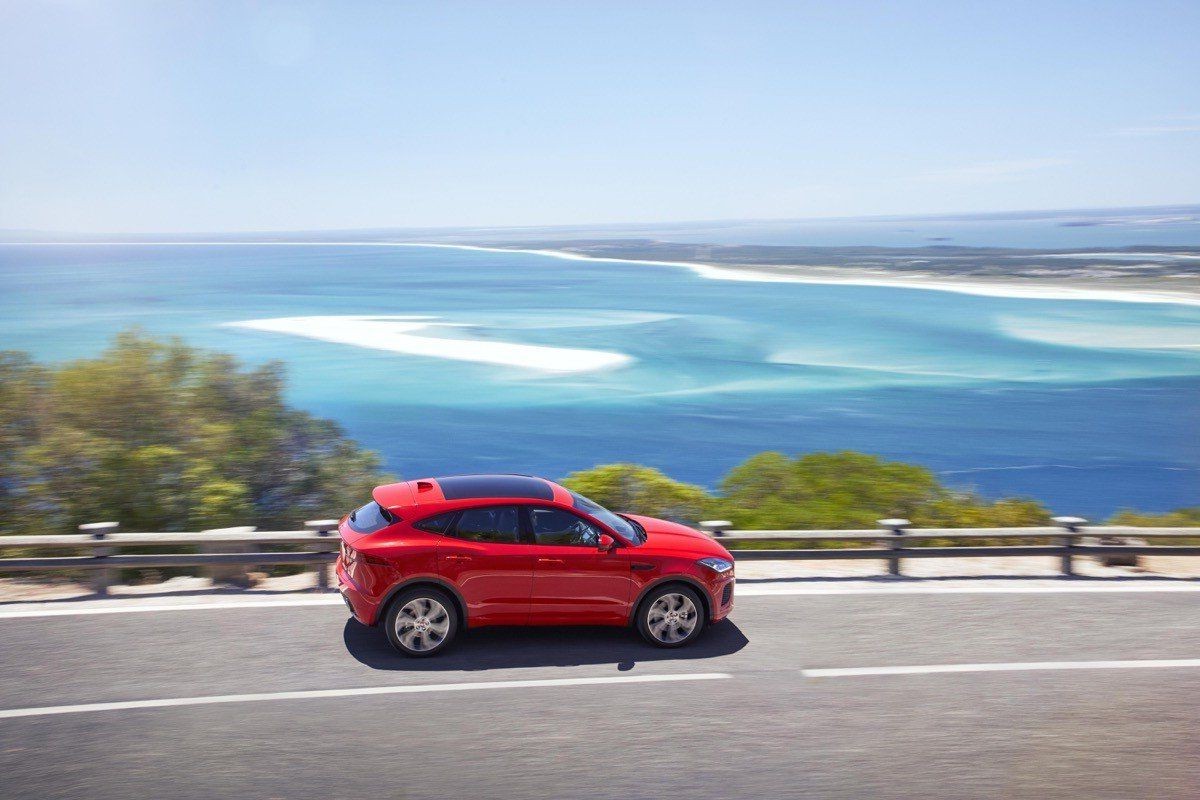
1109,282
1169,275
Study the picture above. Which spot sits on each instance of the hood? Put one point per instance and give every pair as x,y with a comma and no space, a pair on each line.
676,538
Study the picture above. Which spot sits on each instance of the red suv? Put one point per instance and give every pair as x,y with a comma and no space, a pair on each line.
427,558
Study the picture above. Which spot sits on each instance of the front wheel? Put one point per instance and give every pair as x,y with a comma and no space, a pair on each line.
421,622
671,616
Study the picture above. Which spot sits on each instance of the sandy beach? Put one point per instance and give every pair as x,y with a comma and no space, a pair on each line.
1181,291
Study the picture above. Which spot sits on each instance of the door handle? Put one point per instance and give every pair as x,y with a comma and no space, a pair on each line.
550,561
457,558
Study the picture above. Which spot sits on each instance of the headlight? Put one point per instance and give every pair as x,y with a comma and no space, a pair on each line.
717,565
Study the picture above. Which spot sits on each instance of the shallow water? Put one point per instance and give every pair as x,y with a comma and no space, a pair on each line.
1088,406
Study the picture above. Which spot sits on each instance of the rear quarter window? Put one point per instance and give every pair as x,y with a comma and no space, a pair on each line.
437,524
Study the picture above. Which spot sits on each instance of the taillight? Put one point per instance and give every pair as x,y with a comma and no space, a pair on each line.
352,558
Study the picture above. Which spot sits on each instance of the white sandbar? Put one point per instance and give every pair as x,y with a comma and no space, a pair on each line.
398,334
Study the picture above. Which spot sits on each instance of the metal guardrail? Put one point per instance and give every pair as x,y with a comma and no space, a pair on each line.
223,547
894,541
896,538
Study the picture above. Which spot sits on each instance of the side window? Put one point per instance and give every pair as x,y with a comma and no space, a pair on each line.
491,524
438,524
555,526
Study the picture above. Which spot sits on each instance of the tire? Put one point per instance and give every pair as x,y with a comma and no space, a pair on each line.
421,622
664,614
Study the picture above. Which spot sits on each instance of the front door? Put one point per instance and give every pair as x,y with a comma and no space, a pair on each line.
574,582
483,555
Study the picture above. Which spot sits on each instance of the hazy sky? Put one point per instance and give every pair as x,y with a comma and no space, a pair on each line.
174,116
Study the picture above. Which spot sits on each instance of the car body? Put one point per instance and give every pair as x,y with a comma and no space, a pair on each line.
521,550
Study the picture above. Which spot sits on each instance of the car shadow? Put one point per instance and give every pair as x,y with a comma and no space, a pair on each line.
508,648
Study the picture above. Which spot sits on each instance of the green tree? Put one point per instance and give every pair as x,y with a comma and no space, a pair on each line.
636,489
23,388
771,491
824,490
162,436
1179,518
967,510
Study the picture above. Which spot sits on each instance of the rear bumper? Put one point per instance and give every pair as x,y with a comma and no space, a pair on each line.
360,605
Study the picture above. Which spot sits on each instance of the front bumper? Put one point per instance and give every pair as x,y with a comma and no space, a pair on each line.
720,596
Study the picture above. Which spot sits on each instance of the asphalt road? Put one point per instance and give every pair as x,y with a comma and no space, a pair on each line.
767,730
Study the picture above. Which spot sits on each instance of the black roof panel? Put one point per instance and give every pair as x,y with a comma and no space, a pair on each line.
466,487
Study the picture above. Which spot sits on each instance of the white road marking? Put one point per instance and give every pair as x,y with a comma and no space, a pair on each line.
133,606
85,708
768,590
934,669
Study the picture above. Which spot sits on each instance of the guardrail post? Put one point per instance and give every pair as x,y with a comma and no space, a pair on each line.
101,577
1071,525
234,575
895,542
716,527
323,527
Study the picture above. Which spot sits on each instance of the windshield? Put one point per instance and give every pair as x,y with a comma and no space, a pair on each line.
627,528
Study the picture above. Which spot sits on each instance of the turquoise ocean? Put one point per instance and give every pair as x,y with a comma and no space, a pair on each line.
1088,406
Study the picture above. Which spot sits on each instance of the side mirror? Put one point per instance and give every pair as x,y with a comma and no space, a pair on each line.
606,543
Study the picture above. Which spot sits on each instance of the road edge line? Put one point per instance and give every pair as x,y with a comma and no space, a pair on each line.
941,669
174,702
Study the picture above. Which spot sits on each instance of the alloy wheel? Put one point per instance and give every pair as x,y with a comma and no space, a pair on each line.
422,624
672,618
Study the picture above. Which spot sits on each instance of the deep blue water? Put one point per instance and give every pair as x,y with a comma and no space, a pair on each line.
1088,406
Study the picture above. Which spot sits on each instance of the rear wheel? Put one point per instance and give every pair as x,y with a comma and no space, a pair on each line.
671,616
421,622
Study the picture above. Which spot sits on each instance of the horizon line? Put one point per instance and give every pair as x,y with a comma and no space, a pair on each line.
933,216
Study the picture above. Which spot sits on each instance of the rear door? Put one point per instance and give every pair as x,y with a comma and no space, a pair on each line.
483,556
575,583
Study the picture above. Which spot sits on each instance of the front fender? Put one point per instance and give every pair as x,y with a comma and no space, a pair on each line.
691,581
